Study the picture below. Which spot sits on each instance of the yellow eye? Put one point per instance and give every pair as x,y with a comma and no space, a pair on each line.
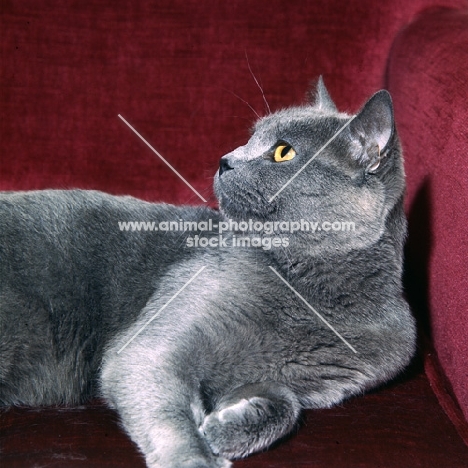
284,153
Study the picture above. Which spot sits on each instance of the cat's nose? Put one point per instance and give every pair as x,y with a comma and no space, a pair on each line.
224,165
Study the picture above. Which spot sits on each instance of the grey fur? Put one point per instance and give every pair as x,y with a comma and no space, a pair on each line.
224,368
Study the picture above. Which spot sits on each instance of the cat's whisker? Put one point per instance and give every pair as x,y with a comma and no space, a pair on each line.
258,84
244,101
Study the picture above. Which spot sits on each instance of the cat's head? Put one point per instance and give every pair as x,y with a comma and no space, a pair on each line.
314,163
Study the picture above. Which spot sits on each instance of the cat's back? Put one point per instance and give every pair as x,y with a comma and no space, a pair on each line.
59,218
44,209
70,278
60,237
41,228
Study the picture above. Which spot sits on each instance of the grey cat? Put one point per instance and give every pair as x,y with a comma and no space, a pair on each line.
210,353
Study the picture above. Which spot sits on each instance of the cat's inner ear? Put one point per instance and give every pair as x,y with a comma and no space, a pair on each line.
373,128
321,99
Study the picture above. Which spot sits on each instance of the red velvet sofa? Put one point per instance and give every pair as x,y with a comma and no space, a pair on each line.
181,72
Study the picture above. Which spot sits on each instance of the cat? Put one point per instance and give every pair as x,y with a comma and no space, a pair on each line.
209,348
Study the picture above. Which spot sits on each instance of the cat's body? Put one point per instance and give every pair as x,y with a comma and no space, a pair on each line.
207,353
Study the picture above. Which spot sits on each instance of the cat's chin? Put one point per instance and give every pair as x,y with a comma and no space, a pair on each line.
233,208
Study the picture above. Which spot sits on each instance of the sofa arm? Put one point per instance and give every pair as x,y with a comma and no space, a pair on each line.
428,78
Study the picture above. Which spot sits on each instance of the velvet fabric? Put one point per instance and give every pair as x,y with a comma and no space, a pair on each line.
184,74
401,426
428,78
178,71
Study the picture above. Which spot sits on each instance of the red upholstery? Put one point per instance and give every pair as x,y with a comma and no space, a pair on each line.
428,77
178,71
398,427
172,68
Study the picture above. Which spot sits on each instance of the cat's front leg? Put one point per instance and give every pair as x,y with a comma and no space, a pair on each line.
159,408
250,419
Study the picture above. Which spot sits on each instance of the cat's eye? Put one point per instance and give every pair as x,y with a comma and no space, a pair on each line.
284,153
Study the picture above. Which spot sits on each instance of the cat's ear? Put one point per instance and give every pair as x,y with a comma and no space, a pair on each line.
321,99
373,128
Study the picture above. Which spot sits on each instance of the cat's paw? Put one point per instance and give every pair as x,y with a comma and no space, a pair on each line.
233,431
